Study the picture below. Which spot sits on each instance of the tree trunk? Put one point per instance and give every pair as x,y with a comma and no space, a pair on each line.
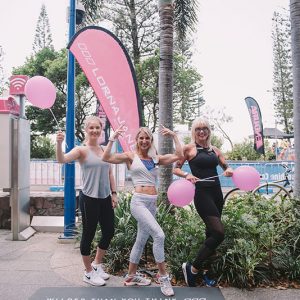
134,33
165,144
295,22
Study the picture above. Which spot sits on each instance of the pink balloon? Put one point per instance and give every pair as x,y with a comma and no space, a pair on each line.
246,178
40,92
181,192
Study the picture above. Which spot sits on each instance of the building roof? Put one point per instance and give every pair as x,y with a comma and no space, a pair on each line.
275,133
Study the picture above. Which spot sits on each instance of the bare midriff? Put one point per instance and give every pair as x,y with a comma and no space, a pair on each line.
143,189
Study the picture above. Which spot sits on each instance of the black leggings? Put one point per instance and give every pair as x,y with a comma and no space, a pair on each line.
94,211
209,204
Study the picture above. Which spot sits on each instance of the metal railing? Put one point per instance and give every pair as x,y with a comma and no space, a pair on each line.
51,173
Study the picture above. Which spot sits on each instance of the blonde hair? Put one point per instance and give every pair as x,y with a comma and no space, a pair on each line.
152,152
89,120
199,122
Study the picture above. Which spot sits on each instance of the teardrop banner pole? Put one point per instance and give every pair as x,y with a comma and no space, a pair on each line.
69,182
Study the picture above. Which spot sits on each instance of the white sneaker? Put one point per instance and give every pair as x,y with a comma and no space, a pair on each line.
93,278
136,280
165,285
98,268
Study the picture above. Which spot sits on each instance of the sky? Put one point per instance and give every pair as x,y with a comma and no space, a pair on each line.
232,51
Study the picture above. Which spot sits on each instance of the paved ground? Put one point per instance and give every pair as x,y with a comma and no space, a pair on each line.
41,261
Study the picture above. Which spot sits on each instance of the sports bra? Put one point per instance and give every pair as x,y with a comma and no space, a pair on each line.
141,175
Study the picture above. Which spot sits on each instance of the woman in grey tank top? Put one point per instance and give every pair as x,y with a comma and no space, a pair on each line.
143,166
97,198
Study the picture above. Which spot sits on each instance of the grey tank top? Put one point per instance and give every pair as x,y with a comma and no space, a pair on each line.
141,175
95,176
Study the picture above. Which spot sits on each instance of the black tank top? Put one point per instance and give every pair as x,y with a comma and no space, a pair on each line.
204,165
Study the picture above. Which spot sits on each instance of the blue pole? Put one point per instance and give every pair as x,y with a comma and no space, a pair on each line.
69,183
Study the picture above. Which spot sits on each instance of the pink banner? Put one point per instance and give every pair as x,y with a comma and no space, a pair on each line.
110,72
257,124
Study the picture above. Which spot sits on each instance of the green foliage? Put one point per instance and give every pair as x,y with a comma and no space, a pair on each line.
44,63
187,90
262,242
147,74
53,65
186,140
185,17
261,246
43,36
244,150
41,147
217,118
184,232
216,141
136,23
282,74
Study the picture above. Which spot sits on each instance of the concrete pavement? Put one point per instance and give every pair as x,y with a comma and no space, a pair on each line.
41,261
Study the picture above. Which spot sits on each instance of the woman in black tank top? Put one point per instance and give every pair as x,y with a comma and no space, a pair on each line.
203,159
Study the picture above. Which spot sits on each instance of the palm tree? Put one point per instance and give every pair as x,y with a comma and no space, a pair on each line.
165,91
295,22
178,14
183,12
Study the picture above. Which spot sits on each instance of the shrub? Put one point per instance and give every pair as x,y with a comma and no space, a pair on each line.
262,242
261,246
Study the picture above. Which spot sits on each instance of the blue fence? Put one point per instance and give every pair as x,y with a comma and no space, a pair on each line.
269,171
49,172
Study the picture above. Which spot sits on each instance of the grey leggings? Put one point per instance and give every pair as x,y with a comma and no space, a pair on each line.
143,209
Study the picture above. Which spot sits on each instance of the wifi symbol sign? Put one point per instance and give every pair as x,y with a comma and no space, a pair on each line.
17,84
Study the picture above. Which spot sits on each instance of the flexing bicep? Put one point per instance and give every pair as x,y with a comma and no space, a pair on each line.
74,154
167,159
117,158
179,163
177,167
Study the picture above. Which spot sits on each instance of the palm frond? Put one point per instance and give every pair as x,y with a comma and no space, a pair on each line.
185,17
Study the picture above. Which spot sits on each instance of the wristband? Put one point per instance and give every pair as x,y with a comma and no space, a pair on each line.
185,174
111,139
114,192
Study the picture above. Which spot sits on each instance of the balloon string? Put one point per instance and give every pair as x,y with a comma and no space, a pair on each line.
57,123
205,179
54,118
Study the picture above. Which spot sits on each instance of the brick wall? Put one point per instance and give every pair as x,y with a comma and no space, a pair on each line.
41,204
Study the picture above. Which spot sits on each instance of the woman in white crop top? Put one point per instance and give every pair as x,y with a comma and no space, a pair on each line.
143,166
97,198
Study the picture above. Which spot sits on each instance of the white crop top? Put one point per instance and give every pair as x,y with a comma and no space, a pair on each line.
141,175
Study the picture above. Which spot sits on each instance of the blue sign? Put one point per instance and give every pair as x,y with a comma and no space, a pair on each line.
269,171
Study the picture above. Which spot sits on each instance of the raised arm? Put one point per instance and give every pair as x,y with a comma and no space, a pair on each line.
115,158
62,157
178,165
170,158
177,169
